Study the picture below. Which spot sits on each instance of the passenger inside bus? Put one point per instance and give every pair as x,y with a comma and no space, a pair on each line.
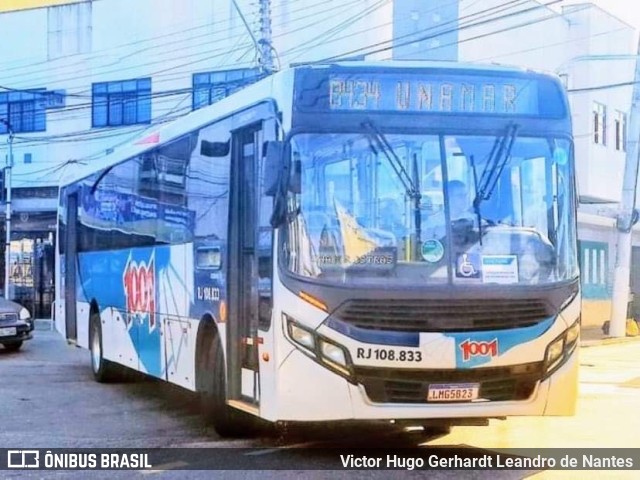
391,218
460,204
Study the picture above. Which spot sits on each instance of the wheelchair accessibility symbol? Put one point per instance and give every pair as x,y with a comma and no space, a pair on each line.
468,266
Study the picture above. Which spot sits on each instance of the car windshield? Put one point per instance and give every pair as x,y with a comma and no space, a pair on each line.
398,209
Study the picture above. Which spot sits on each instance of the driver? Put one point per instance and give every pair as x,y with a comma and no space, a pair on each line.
459,202
459,209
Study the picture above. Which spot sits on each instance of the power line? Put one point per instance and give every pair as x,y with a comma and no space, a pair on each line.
188,90
601,87
77,107
88,136
130,136
88,105
102,52
157,73
101,69
490,33
91,134
480,14
458,28
542,47
368,29
323,37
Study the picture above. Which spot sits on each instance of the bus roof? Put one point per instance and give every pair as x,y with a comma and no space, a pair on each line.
252,94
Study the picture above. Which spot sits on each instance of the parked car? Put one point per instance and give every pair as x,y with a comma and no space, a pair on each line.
16,325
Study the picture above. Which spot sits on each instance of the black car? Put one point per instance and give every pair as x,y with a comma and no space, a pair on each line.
16,325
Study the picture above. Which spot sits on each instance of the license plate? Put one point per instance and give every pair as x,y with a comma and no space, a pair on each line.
7,331
457,392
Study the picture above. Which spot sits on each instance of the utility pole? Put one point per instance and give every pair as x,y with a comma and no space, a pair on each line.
262,46
7,180
627,215
266,48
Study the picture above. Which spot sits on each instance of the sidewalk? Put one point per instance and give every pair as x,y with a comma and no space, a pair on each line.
43,324
593,336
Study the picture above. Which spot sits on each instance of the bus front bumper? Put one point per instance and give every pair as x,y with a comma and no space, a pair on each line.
320,395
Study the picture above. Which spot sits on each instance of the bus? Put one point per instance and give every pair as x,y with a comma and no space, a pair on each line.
360,241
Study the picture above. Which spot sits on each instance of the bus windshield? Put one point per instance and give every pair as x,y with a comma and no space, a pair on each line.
409,210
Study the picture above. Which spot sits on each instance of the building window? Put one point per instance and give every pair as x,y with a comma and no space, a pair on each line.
599,123
122,103
210,87
24,110
621,131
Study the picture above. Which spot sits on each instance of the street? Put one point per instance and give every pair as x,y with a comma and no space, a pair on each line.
50,400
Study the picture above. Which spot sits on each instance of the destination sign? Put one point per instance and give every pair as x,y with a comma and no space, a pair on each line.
433,94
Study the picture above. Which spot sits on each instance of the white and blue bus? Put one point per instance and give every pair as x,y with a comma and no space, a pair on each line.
356,241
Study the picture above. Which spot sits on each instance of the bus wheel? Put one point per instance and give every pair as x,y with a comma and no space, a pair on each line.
227,421
103,370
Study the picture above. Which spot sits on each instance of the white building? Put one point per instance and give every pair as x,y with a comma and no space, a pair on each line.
121,67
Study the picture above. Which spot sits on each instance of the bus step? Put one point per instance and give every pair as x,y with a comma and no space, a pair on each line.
244,406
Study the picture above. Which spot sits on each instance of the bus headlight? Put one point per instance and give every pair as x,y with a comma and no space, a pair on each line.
561,348
573,332
301,335
554,352
333,355
321,349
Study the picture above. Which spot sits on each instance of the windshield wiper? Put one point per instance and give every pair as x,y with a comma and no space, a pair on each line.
410,185
498,159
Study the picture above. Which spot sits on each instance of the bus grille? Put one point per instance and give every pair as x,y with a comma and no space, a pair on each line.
438,315
515,382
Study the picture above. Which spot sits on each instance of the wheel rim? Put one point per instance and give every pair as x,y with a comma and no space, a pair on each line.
96,353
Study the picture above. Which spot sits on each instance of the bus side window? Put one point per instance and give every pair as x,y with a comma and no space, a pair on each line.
208,183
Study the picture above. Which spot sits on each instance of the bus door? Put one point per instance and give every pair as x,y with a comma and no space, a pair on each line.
71,251
246,283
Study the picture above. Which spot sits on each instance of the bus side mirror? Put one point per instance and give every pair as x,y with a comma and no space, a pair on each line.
273,166
214,149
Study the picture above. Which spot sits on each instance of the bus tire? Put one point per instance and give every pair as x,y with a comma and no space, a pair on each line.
227,421
103,370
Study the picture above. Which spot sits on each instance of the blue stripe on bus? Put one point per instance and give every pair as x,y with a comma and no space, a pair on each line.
403,339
